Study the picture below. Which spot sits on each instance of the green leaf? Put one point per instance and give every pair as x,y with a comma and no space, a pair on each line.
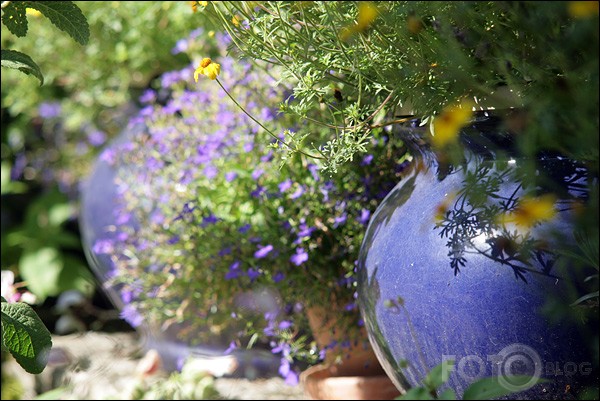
490,387
447,395
8,186
416,393
22,62
41,269
66,16
60,213
13,16
438,375
48,272
25,336
75,275
586,297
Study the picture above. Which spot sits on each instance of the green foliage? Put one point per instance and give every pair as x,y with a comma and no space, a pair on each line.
418,57
13,16
42,240
25,336
96,86
65,15
7,186
486,388
60,273
240,226
22,62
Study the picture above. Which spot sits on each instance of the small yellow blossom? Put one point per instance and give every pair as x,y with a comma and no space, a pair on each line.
367,13
531,211
208,68
446,127
236,20
583,9
33,12
195,4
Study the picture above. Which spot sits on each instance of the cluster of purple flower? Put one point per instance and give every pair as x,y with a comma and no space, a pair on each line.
205,213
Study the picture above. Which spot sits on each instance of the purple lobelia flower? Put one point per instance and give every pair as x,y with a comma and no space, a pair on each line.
364,217
299,257
131,316
285,185
263,251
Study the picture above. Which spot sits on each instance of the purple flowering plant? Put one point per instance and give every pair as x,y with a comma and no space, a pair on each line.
215,233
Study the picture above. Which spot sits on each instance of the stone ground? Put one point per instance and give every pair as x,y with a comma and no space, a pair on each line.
100,366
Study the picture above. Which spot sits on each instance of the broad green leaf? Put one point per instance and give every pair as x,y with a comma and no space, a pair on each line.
25,336
22,62
66,16
48,272
41,269
438,375
60,213
13,16
490,387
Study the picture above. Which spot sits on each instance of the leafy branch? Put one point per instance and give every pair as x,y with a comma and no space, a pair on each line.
65,15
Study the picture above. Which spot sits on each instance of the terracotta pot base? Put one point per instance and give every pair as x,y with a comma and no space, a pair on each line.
320,383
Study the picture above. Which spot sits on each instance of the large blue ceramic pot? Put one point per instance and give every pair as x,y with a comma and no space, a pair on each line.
440,278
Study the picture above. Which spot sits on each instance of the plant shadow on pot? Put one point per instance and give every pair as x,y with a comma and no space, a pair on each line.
471,263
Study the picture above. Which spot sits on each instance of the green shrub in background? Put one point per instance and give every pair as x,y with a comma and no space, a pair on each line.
51,133
130,44
24,334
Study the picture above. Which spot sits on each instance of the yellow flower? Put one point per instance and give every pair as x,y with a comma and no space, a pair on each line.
195,4
583,9
367,13
208,68
531,211
447,125
236,20
33,12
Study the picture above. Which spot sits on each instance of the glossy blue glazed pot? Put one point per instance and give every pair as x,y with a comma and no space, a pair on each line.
439,280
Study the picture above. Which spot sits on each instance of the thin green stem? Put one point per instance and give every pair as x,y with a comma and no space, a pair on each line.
265,128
